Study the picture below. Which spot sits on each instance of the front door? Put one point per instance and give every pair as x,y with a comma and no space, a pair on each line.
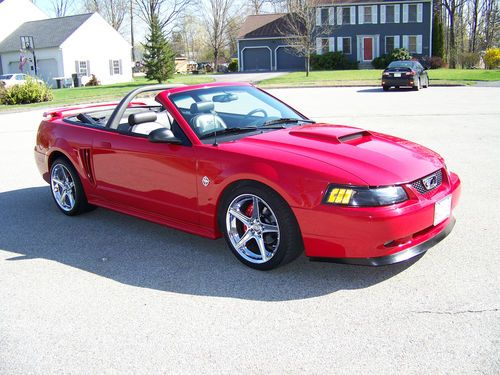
367,48
151,178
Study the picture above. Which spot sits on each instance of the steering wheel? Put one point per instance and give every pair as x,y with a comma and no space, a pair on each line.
257,110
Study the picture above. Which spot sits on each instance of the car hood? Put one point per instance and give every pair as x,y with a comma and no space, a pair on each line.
377,159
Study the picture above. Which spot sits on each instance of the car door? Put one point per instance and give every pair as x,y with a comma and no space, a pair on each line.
147,178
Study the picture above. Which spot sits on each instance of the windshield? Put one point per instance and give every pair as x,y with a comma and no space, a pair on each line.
234,110
6,76
401,64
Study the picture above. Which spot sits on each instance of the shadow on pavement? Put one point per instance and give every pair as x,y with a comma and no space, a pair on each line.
375,90
139,253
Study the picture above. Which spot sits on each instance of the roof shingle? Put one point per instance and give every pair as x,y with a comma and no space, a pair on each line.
47,33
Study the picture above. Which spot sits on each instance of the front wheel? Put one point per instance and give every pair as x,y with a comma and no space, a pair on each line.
67,189
259,227
385,88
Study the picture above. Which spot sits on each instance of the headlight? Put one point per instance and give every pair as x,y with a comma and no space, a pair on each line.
364,196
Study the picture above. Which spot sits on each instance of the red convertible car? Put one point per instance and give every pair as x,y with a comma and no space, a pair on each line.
231,160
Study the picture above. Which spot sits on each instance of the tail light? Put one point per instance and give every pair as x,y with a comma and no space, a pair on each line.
385,74
412,73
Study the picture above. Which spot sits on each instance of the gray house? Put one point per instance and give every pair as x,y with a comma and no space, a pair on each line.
361,29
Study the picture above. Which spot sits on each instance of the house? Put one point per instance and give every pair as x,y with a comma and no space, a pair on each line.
84,44
263,45
14,13
361,29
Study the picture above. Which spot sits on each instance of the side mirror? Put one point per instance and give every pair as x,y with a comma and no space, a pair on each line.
163,135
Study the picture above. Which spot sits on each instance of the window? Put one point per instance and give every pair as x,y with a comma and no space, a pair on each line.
83,68
412,44
325,46
389,14
389,44
346,16
346,46
116,67
412,12
324,16
20,77
368,14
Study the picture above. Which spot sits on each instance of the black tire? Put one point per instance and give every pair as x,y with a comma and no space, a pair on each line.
385,88
289,243
418,86
81,204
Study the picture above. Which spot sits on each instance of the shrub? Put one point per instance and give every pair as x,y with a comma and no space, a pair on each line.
332,61
492,58
400,54
31,91
468,60
233,66
432,62
381,62
2,92
93,81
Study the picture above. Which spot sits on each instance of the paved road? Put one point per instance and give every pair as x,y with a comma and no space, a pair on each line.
107,293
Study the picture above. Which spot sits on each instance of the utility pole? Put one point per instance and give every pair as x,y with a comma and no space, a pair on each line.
132,29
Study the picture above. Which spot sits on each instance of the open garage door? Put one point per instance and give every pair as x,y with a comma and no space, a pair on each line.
47,70
256,59
286,60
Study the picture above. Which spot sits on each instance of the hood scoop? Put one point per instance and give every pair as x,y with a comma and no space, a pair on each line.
333,134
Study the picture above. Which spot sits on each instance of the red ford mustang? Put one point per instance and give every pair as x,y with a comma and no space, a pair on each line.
230,159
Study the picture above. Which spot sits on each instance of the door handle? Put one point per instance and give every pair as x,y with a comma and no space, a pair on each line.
103,144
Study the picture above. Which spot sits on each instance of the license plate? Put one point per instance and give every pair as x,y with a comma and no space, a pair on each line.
442,210
397,74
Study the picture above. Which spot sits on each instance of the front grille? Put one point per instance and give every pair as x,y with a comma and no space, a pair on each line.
419,185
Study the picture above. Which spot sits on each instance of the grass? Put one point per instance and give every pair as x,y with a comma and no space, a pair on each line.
372,77
81,95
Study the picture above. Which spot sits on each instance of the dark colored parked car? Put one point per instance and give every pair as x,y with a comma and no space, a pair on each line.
405,73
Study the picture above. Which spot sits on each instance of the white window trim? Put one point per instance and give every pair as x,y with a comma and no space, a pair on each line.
331,16
383,12
340,44
396,42
418,43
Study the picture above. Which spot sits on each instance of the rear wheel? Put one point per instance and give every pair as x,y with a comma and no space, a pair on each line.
67,189
417,86
259,227
385,88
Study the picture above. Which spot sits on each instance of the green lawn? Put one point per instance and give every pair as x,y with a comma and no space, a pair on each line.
372,76
96,94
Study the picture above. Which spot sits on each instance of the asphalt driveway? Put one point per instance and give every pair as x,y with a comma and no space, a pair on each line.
107,293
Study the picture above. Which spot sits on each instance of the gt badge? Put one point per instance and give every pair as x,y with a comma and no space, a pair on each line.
205,181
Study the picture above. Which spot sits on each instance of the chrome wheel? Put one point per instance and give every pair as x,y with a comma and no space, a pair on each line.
63,187
252,228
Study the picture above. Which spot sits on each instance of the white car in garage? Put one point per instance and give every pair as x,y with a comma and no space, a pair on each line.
16,79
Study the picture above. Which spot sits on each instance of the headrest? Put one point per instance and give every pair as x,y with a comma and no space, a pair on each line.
141,118
201,107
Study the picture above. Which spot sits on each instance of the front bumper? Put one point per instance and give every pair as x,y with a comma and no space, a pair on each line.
364,234
396,257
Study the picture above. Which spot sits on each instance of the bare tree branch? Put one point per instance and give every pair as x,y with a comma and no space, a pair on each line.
166,11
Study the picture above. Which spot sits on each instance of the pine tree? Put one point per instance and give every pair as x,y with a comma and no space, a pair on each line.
159,59
437,36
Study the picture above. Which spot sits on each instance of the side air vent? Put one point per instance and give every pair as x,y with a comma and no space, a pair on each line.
87,164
